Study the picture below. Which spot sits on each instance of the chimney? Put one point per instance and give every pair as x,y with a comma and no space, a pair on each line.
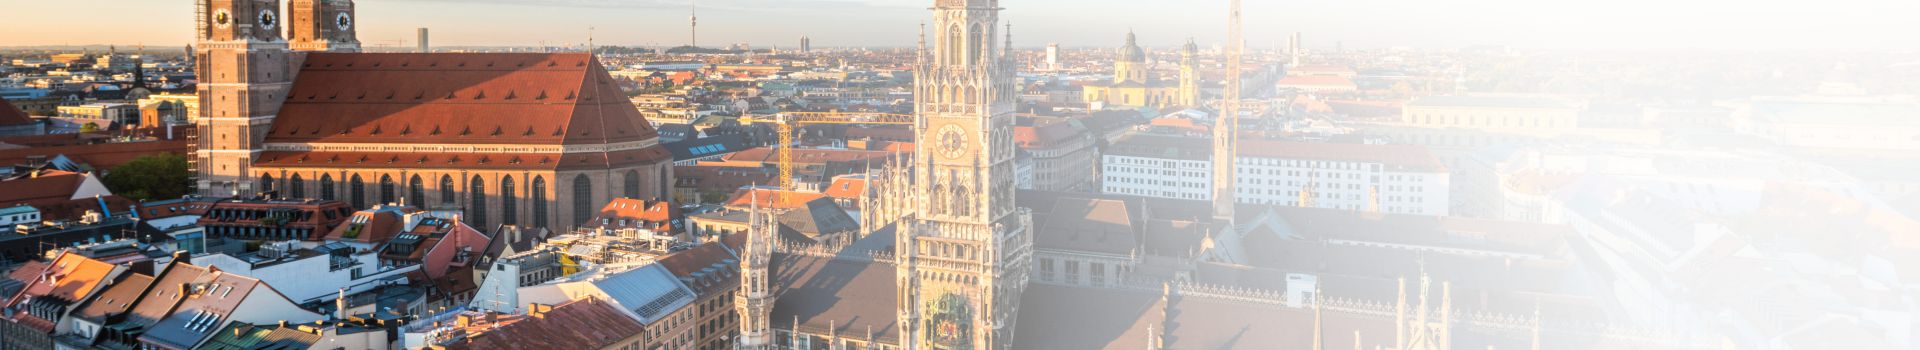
340,304
182,256
463,321
537,310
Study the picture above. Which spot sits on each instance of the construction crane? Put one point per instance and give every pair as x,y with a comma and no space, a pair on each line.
788,121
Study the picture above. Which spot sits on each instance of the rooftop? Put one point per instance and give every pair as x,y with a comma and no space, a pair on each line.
854,297
457,98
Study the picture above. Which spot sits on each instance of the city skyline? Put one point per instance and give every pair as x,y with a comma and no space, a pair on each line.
1713,24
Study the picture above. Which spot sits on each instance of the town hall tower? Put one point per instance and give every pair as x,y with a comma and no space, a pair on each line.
964,257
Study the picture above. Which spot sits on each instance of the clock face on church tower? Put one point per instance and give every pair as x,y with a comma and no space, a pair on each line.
268,19
952,141
222,18
343,21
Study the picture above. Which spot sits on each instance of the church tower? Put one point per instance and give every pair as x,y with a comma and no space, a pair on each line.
1131,64
965,254
1189,94
754,301
244,69
323,25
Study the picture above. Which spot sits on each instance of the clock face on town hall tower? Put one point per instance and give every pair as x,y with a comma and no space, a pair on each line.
952,141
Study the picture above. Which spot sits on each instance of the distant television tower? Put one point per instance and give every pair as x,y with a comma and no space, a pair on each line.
693,24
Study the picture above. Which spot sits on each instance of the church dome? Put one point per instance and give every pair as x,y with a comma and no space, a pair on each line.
1190,48
1131,52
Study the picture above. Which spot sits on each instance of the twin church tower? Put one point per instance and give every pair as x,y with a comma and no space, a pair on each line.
291,109
246,68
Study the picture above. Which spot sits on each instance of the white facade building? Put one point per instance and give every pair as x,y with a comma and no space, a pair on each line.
1399,179
308,275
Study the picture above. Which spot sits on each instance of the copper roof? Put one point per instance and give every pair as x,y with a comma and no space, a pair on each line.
457,98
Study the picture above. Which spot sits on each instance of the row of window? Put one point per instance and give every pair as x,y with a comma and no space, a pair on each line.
477,193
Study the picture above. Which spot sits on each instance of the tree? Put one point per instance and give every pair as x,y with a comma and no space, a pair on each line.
153,177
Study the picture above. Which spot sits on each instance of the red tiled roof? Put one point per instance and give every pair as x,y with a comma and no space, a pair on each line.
899,147
116,299
642,210
580,324
71,278
50,185
380,226
686,264
441,257
505,98
27,271
100,155
10,115
167,291
847,187
53,193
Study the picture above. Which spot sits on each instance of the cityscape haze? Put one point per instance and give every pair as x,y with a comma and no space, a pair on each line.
959,174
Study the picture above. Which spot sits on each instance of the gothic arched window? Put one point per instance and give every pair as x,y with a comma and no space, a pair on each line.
266,183
446,189
477,204
540,201
509,206
358,192
297,187
326,187
632,184
582,199
386,189
961,201
939,197
955,45
416,190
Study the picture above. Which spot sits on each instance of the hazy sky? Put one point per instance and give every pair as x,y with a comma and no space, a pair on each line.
1611,24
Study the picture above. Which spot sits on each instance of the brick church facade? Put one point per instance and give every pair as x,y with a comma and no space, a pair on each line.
539,140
